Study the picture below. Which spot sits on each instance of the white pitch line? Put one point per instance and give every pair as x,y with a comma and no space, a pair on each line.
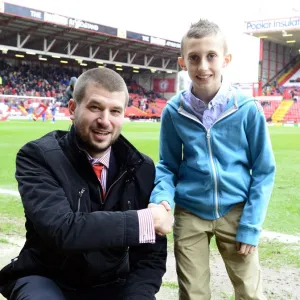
9,192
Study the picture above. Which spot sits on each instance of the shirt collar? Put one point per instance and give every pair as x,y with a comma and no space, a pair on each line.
221,97
104,159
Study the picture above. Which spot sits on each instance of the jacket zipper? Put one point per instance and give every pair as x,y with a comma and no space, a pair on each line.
100,195
111,186
80,193
190,116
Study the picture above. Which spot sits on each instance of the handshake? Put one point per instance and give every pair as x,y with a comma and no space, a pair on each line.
163,218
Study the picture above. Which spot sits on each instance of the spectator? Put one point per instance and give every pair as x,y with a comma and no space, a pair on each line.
69,92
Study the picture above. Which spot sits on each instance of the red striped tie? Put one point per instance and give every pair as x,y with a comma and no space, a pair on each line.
98,171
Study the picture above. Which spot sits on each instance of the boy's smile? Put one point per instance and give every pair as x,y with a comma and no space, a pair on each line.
204,59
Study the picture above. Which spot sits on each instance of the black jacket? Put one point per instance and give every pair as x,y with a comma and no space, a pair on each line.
73,236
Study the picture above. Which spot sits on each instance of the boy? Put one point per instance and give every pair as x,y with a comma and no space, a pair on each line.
216,164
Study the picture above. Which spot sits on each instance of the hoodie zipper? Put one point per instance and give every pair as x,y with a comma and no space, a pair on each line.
80,193
214,173
208,137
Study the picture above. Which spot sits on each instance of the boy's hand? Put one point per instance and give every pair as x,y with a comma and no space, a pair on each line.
166,205
162,219
244,249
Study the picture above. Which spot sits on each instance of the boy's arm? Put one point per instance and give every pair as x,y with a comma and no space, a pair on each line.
263,173
170,156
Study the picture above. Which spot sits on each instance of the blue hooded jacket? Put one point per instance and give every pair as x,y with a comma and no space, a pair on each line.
209,171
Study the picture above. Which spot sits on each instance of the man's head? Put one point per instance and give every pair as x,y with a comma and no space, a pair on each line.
204,55
97,109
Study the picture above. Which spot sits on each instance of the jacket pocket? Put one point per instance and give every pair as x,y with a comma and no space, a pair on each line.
106,261
22,265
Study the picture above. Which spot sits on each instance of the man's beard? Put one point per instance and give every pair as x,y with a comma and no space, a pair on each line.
89,145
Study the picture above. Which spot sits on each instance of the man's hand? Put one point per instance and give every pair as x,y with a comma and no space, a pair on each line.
244,249
162,219
166,205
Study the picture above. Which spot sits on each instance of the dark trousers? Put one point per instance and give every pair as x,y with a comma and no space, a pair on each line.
42,288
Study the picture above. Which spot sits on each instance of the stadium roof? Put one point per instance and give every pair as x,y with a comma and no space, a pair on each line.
47,34
284,31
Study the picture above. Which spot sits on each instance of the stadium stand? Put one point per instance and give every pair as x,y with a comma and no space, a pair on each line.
41,51
26,80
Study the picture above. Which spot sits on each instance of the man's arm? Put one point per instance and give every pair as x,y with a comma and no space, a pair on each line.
263,173
147,261
48,209
147,267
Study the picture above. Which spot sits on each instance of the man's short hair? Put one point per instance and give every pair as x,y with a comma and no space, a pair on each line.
201,29
106,78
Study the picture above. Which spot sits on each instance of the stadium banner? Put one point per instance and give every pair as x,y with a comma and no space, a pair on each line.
138,37
80,24
173,44
121,33
272,25
56,19
152,40
164,85
157,41
23,11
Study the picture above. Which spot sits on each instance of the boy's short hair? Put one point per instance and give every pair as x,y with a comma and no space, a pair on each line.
106,78
204,28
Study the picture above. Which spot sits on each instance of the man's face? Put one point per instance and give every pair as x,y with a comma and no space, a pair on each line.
204,60
98,119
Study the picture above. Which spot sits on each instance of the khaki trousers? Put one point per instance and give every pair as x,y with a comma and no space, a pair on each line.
192,237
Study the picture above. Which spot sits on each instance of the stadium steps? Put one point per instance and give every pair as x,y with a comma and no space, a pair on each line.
269,108
282,110
293,115
286,76
134,111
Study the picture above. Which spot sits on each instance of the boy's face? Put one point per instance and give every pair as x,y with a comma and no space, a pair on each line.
204,59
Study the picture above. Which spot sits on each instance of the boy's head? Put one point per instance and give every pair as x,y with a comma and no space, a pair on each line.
204,55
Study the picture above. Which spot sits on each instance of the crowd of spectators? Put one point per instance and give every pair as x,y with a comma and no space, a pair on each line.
26,80
286,92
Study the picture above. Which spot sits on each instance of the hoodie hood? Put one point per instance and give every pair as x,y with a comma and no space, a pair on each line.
237,100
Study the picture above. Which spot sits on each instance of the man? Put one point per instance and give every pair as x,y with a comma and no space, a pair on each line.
69,92
85,193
